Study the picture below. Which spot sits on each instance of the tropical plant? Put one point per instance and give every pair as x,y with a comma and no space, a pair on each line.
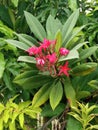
59,61
84,114
58,69
13,116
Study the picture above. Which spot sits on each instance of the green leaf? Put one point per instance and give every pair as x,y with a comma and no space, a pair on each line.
73,4
71,36
82,94
69,25
48,112
58,41
12,126
42,95
28,40
1,123
7,80
14,116
52,26
23,105
5,30
70,92
93,83
79,45
87,52
26,74
35,26
6,115
1,107
94,127
18,44
32,111
72,55
73,124
27,59
2,64
56,95
83,69
34,81
21,120
15,2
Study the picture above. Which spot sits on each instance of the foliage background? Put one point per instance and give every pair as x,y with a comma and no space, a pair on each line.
12,20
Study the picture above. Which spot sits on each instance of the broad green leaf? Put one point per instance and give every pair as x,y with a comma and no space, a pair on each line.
23,38
56,95
21,120
72,55
79,45
27,59
34,81
26,38
42,95
70,92
15,2
73,124
83,69
35,26
52,26
6,115
69,25
87,52
82,94
2,64
58,38
93,83
18,44
7,80
72,35
12,126
73,4
26,74
48,112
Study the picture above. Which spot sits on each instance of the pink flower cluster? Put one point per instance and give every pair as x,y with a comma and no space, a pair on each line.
46,58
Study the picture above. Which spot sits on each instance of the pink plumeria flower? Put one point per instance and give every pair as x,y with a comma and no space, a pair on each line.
52,58
64,69
45,44
40,62
64,51
34,50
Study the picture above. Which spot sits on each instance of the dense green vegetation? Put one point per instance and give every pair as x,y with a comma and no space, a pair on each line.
48,64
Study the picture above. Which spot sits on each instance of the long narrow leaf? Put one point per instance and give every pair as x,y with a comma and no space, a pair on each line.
56,95
42,95
52,26
72,35
70,23
35,26
72,55
18,44
70,92
27,59
2,64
